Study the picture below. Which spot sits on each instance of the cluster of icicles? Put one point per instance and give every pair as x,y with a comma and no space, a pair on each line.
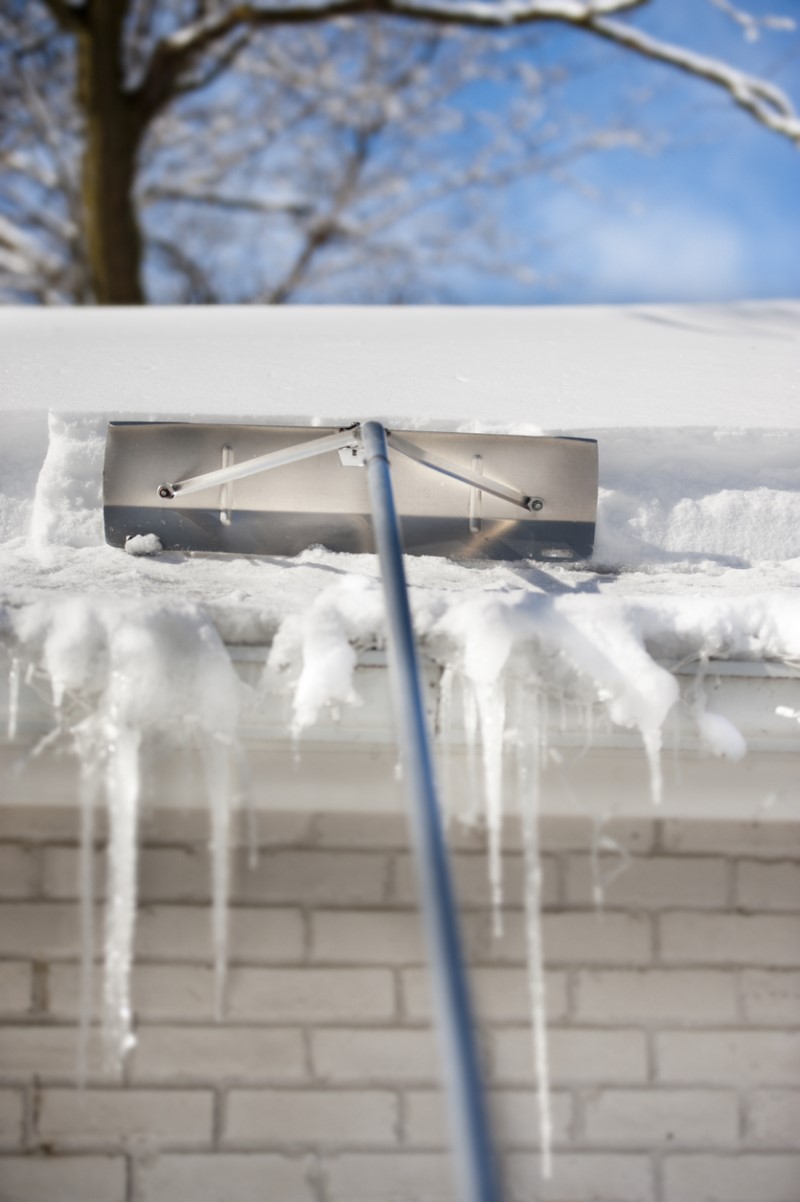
125,678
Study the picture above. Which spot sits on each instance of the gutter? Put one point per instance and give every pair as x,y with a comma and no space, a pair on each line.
348,761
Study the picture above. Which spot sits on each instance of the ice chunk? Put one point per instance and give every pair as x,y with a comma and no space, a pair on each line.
721,736
143,544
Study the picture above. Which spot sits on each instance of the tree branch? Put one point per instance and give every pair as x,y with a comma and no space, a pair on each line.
72,18
241,204
176,54
767,103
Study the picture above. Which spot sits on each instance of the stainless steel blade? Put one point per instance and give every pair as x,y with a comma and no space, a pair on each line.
324,500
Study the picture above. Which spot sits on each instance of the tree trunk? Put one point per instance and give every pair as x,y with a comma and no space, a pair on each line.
113,132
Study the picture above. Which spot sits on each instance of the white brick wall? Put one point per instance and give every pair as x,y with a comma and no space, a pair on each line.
674,1019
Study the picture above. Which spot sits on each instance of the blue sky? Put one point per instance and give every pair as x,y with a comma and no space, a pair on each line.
713,215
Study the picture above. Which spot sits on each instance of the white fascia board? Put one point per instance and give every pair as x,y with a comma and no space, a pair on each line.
348,762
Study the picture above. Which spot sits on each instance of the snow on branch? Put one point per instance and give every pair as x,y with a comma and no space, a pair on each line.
763,100
176,54
750,24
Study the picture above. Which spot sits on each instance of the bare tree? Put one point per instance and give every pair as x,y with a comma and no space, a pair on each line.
201,150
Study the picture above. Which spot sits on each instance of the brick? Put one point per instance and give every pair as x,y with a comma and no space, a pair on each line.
44,931
500,994
773,1118
178,1055
35,823
11,1117
390,1177
124,1118
15,988
635,835
596,938
17,872
158,992
271,828
482,946
728,838
174,874
640,1118
360,831
65,1178
61,873
650,883
581,1177
374,937
515,1118
730,939
227,1177
309,1117
471,880
255,936
729,1057
771,996
765,886
569,938
754,1178
310,994
655,995
314,878
578,1056
392,1055
49,1053
166,874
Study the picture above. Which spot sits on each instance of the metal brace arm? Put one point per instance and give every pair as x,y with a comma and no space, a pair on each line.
261,463
335,442
484,483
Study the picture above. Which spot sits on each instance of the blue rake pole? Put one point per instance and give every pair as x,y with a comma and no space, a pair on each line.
467,1108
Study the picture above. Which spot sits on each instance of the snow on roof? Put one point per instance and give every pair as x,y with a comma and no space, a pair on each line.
542,368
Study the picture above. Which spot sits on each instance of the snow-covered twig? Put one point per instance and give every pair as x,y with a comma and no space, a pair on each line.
175,54
763,100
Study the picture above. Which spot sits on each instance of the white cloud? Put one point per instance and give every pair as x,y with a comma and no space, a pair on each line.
663,254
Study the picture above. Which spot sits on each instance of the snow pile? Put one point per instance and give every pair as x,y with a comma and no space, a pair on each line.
68,501
710,496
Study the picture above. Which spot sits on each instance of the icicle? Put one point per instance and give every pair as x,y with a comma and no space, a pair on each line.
445,736
89,789
216,756
123,788
470,713
248,805
652,749
14,680
295,732
603,879
491,702
529,750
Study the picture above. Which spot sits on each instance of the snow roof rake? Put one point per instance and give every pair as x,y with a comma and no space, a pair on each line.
212,487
